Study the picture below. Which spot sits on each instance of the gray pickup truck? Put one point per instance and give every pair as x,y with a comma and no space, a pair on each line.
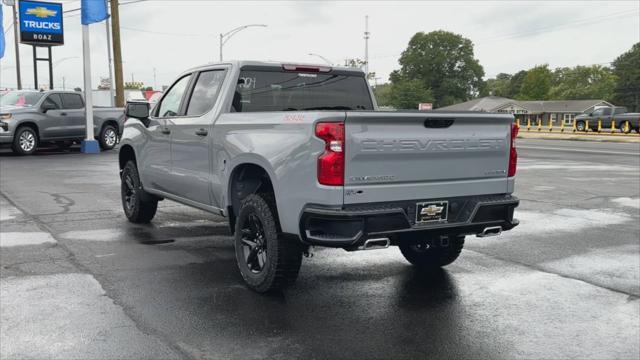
297,156
29,119
623,120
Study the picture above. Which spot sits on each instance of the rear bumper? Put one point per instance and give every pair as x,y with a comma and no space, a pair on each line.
351,225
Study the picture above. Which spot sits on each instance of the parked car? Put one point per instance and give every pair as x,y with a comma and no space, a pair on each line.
297,156
617,114
29,119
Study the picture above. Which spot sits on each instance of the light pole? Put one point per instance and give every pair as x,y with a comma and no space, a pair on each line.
225,37
321,57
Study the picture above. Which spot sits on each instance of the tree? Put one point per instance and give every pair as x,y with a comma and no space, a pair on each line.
498,86
583,82
408,94
515,84
536,84
627,68
444,63
383,94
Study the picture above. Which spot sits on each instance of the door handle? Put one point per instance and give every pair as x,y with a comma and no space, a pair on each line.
202,132
63,114
165,131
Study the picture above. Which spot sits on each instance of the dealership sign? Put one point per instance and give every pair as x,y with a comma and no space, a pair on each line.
41,23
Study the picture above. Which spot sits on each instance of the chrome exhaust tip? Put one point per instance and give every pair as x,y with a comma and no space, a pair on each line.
490,231
373,244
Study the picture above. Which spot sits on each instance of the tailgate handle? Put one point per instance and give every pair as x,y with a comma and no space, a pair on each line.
438,123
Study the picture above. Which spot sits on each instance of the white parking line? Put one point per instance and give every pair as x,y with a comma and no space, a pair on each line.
579,150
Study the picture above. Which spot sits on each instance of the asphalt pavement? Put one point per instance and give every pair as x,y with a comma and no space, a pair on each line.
78,281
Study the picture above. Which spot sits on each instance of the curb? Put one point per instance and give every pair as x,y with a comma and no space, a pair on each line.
576,137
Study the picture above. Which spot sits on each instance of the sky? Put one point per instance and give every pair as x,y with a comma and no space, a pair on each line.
166,37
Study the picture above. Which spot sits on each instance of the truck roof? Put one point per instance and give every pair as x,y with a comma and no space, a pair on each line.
241,63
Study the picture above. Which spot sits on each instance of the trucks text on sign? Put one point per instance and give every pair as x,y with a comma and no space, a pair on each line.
41,23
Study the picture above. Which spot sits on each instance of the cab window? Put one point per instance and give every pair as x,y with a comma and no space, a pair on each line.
72,101
55,100
170,105
205,92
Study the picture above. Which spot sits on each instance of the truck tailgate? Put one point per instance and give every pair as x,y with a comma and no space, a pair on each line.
393,156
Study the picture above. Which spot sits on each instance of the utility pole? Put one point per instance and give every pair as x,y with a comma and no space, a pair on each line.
155,80
366,46
16,42
64,85
117,53
111,90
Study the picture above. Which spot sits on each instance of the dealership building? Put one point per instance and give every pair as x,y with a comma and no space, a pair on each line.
555,110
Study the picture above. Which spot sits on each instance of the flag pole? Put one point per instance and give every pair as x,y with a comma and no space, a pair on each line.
89,144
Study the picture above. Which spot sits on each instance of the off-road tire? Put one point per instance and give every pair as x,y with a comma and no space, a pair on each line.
139,206
283,254
22,134
622,128
108,137
432,257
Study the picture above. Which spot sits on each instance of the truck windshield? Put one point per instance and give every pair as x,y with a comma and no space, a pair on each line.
20,98
264,90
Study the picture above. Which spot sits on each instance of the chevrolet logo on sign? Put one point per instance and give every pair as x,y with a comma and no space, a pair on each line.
41,12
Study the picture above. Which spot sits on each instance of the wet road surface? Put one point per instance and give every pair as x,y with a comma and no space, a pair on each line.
78,281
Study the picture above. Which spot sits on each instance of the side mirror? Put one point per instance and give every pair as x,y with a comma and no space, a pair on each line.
138,110
46,106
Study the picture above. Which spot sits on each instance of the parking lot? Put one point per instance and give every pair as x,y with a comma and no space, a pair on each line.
79,281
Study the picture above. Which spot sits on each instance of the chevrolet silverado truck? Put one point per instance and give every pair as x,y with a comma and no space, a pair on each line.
297,156
29,119
623,120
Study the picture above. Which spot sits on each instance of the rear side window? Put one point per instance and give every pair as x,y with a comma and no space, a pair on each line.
72,101
205,92
264,90
55,100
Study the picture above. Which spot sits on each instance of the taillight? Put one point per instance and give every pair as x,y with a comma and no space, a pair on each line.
513,154
331,162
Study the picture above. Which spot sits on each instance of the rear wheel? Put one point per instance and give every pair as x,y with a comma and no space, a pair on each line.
108,137
580,126
625,127
432,253
139,207
25,141
267,260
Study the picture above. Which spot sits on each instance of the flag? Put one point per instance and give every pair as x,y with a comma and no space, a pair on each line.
93,11
1,34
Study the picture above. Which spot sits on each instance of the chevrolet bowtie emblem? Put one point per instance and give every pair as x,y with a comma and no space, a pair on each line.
431,210
41,12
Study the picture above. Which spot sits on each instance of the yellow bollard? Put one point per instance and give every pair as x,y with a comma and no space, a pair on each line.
599,125
613,125
575,128
562,126
528,124
539,124
586,126
550,124
627,127
518,123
